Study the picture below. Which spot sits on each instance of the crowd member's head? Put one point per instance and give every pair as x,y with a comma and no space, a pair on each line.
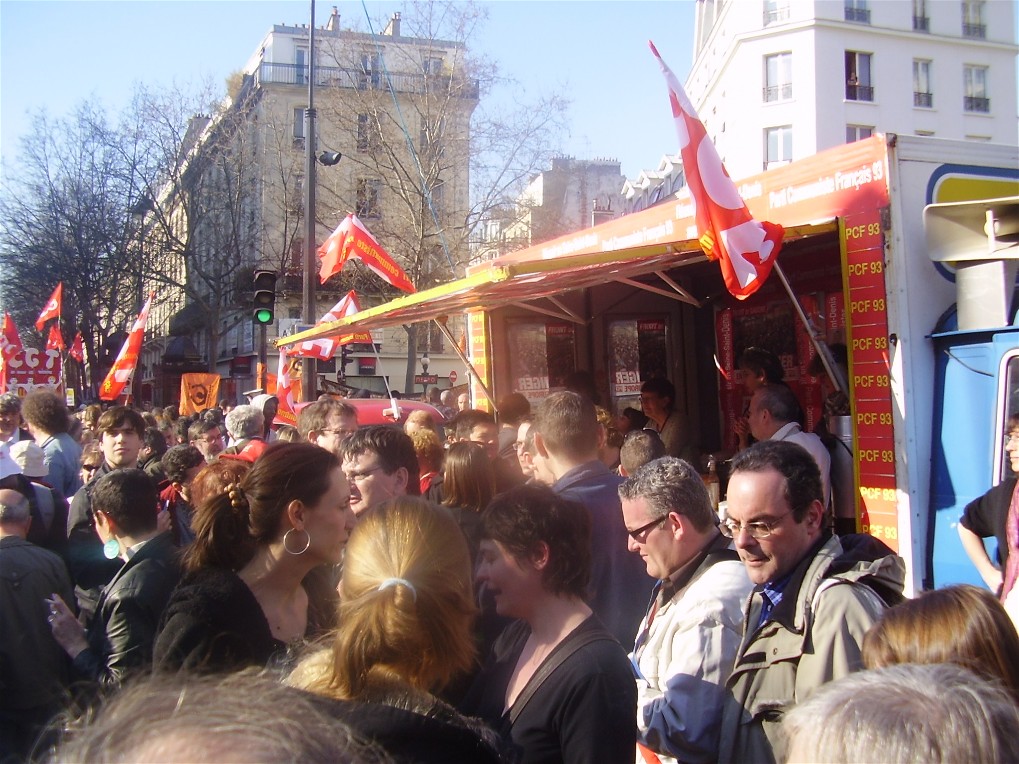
267,406
223,717
124,502
180,431
904,714
120,435
657,398
478,427
287,433
1012,442
153,444
292,488
15,513
207,437
327,422
534,543
90,417
429,450
639,447
31,458
91,460
759,367
612,439
244,423
524,457
406,604
668,515
958,624
513,409
468,479
567,431
45,413
419,419
171,412
581,382
771,408
380,464
775,514
463,401
10,414
182,465
631,419
216,478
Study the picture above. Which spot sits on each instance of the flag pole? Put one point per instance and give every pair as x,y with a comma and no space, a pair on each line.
823,351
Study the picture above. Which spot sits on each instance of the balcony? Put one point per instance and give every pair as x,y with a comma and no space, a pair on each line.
923,99
778,92
859,15
358,79
978,31
859,92
776,15
977,103
921,24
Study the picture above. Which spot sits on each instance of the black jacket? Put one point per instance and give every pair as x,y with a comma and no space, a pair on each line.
130,607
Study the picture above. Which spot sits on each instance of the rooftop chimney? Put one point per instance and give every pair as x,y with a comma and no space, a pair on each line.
333,25
393,27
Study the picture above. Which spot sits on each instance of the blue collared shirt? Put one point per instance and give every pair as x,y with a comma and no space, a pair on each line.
771,595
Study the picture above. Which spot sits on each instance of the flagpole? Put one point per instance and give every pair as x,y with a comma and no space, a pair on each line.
823,351
467,362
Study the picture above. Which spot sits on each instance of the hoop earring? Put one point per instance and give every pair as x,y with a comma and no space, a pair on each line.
303,549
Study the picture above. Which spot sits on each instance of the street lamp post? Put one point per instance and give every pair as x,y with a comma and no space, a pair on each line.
425,360
308,366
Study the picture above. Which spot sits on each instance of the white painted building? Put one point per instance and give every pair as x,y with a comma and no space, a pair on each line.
779,80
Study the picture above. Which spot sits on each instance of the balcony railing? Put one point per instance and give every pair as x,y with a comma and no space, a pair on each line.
977,103
859,92
778,92
923,99
775,15
974,30
921,24
860,15
358,79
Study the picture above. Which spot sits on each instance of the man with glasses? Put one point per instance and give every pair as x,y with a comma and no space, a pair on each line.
813,599
380,464
687,642
327,423
208,438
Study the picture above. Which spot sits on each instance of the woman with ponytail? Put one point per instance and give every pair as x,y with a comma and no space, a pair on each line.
250,593
406,608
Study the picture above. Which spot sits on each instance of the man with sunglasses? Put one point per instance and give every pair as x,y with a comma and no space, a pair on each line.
687,642
813,600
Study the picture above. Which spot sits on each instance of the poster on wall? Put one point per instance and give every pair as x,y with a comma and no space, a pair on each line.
542,355
638,351
30,369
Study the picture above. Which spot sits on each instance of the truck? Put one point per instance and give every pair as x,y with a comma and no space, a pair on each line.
879,234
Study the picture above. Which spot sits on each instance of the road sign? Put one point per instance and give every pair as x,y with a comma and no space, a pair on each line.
452,377
426,379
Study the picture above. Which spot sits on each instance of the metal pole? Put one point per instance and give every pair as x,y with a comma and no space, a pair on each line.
263,358
308,366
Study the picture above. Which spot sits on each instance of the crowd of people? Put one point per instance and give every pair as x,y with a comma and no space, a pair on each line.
552,585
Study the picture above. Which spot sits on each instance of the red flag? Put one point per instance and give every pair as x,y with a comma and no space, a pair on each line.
56,340
127,359
745,248
325,348
352,239
286,413
10,340
52,309
77,351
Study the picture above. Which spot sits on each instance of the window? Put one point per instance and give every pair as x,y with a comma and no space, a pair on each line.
430,138
778,77
857,10
432,65
367,205
299,127
922,83
973,19
858,133
368,138
858,82
975,82
371,71
778,146
775,11
921,22
301,66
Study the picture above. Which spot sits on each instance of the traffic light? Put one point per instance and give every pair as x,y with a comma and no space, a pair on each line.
265,296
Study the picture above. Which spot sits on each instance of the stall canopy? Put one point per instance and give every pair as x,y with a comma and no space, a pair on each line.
530,280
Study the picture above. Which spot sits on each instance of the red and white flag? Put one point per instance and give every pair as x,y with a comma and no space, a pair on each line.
10,340
127,360
352,239
52,308
325,348
77,351
56,340
745,248
287,412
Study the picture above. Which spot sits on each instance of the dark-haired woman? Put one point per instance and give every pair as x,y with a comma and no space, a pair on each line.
468,482
247,597
557,685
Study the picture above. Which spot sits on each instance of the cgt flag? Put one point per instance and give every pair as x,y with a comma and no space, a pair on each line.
56,340
198,392
286,413
352,239
745,248
77,351
10,340
52,309
127,359
325,348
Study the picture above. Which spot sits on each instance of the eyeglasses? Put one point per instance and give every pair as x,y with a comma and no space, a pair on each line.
90,467
759,529
636,532
338,433
358,477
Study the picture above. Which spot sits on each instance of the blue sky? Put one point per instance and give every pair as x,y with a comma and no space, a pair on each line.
55,54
